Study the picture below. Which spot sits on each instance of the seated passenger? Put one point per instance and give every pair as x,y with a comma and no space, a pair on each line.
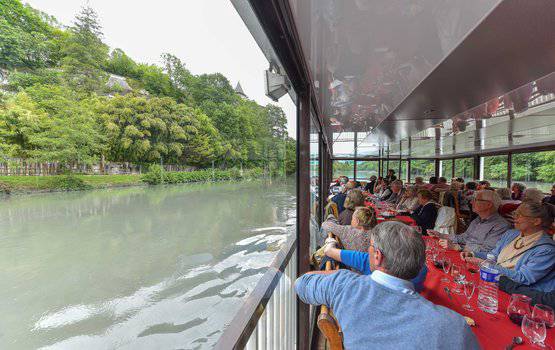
431,183
550,199
484,232
355,236
505,195
526,254
339,198
450,195
419,182
517,190
354,199
359,261
391,176
441,185
382,310
409,199
371,184
397,191
467,196
484,185
533,195
426,213
385,191
509,286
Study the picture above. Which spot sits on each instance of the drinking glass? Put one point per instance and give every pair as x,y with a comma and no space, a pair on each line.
469,287
458,278
535,331
446,265
544,313
472,267
518,308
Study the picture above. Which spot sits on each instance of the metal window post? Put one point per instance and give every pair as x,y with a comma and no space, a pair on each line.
303,211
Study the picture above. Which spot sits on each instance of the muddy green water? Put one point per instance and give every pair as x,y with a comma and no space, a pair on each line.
163,267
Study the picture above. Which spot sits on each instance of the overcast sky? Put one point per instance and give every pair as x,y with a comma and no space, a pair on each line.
208,35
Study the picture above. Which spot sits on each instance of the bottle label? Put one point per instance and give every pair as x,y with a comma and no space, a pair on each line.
489,276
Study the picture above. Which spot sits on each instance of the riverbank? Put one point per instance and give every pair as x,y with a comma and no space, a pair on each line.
56,183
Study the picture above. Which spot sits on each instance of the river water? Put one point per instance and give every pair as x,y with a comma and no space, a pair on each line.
163,267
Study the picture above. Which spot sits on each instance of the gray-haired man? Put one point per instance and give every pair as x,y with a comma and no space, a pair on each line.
382,310
483,232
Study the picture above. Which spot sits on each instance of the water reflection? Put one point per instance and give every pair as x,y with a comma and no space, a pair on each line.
163,267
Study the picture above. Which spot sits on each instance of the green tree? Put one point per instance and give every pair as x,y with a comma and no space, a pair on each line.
85,53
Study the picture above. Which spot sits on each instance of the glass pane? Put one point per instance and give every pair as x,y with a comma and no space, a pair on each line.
446,169
535,170
344,168
464,168
365,169
404,174
422,167
494,170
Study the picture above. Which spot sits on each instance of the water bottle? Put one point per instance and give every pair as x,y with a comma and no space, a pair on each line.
489,278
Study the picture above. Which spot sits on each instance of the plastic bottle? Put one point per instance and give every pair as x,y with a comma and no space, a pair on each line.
489,279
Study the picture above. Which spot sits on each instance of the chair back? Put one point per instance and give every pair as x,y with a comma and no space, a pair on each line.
446,220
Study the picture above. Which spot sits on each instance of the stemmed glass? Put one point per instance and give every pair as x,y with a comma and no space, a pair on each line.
469,287
544,313
535,331
458,278
446,265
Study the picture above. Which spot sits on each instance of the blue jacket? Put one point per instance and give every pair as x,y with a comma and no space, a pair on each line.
359,261
374,316
535,268
425,216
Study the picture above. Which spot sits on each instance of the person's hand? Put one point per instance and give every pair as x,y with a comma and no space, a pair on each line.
443,243
466,255
329,243
433,233
474,261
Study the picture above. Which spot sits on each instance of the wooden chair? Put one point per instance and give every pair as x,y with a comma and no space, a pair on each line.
327,323
331,208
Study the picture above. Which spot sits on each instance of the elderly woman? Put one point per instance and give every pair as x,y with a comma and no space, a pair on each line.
397,191
517,191
384,192
409,200
356,236
505,195
354,199
526,254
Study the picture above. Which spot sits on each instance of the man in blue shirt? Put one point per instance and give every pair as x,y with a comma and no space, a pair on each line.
382,310
360,262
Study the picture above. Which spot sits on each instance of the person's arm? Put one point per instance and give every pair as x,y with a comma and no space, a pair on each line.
509,286
539,264
356,260
333,252
494,235
321,289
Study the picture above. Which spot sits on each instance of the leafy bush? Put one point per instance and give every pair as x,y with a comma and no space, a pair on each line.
156,175
5,188
68,183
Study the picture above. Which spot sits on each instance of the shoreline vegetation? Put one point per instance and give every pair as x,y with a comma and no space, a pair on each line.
155,176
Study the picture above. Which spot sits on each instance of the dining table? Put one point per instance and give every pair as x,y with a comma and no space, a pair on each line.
494,331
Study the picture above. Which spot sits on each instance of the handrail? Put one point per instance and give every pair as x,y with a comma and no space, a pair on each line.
237,334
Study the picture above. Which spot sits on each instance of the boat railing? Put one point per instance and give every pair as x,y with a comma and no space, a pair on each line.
268,317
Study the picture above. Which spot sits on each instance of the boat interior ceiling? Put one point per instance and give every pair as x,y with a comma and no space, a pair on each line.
456,77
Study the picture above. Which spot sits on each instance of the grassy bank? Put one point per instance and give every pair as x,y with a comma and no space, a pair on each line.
65,182
23,184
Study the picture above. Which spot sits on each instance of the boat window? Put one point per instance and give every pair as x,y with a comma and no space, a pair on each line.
365,169
422,167
535,169
464,168
495,170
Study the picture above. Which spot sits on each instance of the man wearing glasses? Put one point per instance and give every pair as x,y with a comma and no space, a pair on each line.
484,231
382,310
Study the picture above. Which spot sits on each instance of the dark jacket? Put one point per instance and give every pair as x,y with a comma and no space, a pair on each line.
425,216
339,199
370,186
509,286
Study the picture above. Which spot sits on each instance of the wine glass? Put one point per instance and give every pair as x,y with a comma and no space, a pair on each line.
469,288
446,265
518,308
471,267
535,331
458,278
544,313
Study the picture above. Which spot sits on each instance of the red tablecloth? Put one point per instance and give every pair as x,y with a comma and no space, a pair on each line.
493,331
404,218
